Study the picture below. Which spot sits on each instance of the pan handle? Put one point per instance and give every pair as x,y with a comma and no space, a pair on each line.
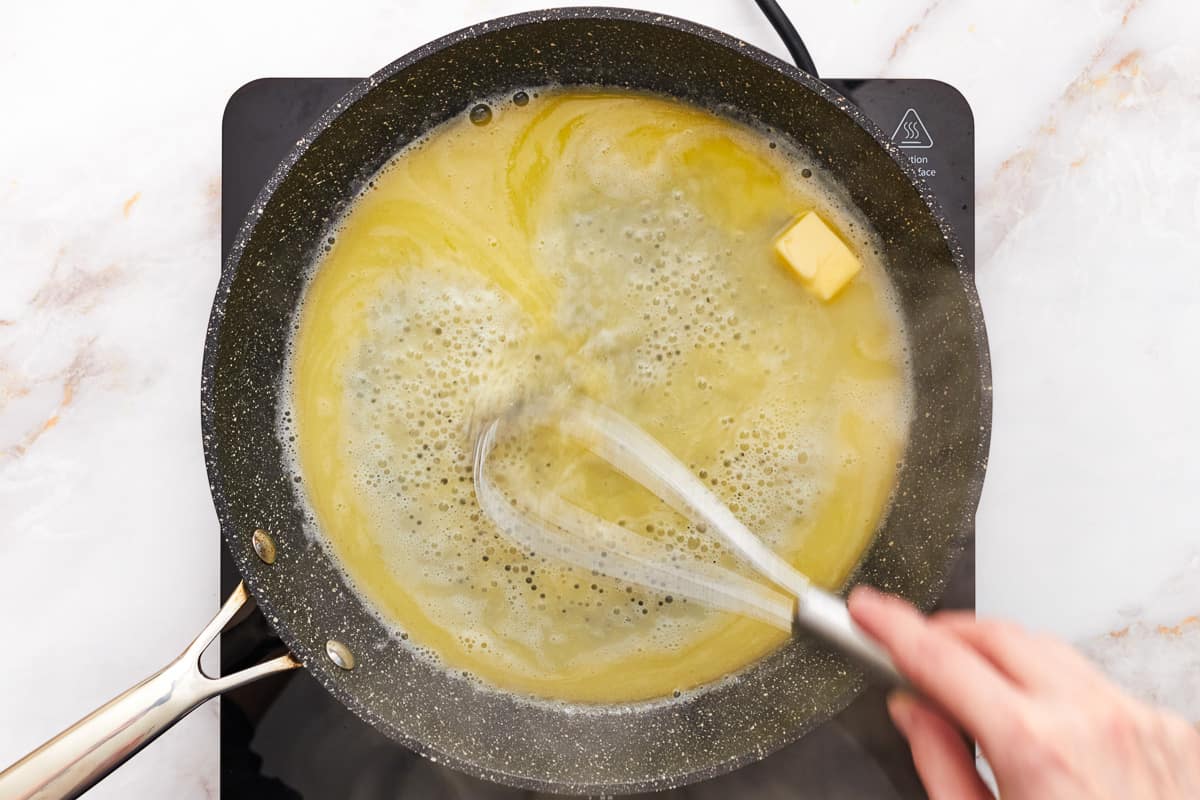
74,760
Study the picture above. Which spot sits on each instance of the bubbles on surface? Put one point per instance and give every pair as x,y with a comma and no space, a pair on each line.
480,114
654,308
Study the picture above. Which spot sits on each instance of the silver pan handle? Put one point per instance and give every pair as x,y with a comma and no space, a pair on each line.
74,760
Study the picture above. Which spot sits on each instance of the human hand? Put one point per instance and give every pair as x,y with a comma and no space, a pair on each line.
1048,722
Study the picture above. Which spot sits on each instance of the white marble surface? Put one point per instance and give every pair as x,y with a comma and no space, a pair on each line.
1088,125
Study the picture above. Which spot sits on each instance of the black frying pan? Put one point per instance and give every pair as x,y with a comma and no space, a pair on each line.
495,735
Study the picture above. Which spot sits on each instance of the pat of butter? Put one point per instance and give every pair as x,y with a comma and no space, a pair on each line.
817,255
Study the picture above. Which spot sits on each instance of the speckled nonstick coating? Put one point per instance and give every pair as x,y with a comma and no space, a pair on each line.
500,736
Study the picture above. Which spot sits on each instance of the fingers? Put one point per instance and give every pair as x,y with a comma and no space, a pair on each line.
945,669
942,758
1010,648
1181,740
1037,663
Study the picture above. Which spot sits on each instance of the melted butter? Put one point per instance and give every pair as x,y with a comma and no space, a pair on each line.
620,245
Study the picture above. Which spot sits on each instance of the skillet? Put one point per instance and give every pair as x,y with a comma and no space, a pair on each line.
328,629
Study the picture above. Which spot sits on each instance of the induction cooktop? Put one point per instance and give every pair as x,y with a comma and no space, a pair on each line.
285,737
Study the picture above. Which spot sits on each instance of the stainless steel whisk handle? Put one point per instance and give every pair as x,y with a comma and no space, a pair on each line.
825,615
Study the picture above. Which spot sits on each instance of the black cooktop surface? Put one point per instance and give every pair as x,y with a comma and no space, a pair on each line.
285,737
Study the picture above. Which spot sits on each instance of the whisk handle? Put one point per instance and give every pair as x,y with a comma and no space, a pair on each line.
825,615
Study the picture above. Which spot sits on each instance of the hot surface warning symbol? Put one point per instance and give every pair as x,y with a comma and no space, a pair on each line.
911,132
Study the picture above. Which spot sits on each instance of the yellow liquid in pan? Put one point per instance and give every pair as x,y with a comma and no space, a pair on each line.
618,244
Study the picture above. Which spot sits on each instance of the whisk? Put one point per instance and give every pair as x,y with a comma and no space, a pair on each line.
554,527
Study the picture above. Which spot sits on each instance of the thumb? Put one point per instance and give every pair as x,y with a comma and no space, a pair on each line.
945,764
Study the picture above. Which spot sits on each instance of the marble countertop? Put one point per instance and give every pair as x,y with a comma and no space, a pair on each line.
1088,133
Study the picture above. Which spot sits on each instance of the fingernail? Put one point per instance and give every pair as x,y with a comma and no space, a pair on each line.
864,594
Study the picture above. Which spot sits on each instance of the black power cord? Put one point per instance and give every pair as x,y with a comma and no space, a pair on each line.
787,31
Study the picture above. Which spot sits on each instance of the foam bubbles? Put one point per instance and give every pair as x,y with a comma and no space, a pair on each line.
638,284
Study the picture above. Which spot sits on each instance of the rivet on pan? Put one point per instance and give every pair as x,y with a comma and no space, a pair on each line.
264,546
339,654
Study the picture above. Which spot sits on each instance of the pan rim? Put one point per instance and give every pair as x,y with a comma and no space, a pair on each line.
972,484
